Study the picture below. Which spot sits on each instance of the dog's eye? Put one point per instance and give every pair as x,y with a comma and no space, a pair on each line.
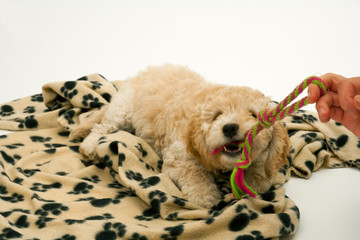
254,115
216,115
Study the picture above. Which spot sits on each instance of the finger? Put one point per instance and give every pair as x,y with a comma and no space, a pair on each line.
337,114
331,80
313,93
329,99
349,94
323,112
346,94
325,103
355,82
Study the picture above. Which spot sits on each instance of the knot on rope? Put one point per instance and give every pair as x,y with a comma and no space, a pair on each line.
267,118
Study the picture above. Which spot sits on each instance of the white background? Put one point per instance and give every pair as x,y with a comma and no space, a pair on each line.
268,45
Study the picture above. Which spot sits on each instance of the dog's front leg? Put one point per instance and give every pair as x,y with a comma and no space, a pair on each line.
190,176
117,116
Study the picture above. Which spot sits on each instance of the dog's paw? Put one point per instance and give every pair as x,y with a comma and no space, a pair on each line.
206,197
88,148
210,199
78,134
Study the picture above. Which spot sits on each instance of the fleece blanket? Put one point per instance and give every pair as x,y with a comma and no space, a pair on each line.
48,191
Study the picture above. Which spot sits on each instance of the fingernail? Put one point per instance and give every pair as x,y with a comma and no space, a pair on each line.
321,111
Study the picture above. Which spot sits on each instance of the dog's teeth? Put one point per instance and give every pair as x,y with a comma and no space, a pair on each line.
232,149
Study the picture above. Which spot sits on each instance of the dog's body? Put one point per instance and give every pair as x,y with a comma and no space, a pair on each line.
185,119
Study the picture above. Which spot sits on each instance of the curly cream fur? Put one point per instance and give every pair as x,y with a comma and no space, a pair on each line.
181,116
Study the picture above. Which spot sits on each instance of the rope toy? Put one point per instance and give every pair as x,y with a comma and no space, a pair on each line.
267,118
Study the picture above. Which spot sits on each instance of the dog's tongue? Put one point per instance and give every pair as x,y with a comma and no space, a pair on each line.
217,150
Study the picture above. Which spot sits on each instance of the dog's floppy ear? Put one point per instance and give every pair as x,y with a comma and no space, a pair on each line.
195,141
193,133
278,150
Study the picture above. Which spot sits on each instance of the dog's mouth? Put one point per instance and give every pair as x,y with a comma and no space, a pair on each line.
232,149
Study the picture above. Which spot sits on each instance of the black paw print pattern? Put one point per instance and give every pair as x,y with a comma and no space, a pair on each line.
108,161
147,166
160,164
81,188
350,163
9,233
14,198
29,109
114,148
39,187
138,236
254,235
304,117
68,89
172,216
28,172
309,118
95,85
106,96
6,110
218,208
68,115
22,222
179,201
111,231
8,158
216,211
156,199
103,202
338,143
140,148
47,209
5,196
29,122
297,119
131,175
90,101
104,216
173,232
93,178
67,237
268,196
149,182
40,139
51,208
288,227
309,137
37,98
242,220
56,103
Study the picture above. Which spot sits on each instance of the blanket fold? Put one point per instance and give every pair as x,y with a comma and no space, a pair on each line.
48,191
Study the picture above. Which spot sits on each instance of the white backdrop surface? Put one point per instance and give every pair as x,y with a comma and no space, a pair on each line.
268,45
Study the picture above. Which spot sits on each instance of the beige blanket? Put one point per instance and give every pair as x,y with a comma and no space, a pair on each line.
48,191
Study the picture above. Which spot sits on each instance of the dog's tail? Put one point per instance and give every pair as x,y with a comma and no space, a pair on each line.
85,127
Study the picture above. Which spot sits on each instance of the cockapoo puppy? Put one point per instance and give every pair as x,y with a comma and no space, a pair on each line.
185,119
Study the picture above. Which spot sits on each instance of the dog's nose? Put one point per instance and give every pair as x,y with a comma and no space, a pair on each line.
230,129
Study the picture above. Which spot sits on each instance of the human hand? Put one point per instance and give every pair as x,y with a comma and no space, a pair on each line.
340,103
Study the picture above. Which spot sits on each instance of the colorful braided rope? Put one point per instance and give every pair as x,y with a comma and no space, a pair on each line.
267,118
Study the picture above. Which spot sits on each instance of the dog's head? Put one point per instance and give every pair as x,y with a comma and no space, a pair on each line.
221,123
